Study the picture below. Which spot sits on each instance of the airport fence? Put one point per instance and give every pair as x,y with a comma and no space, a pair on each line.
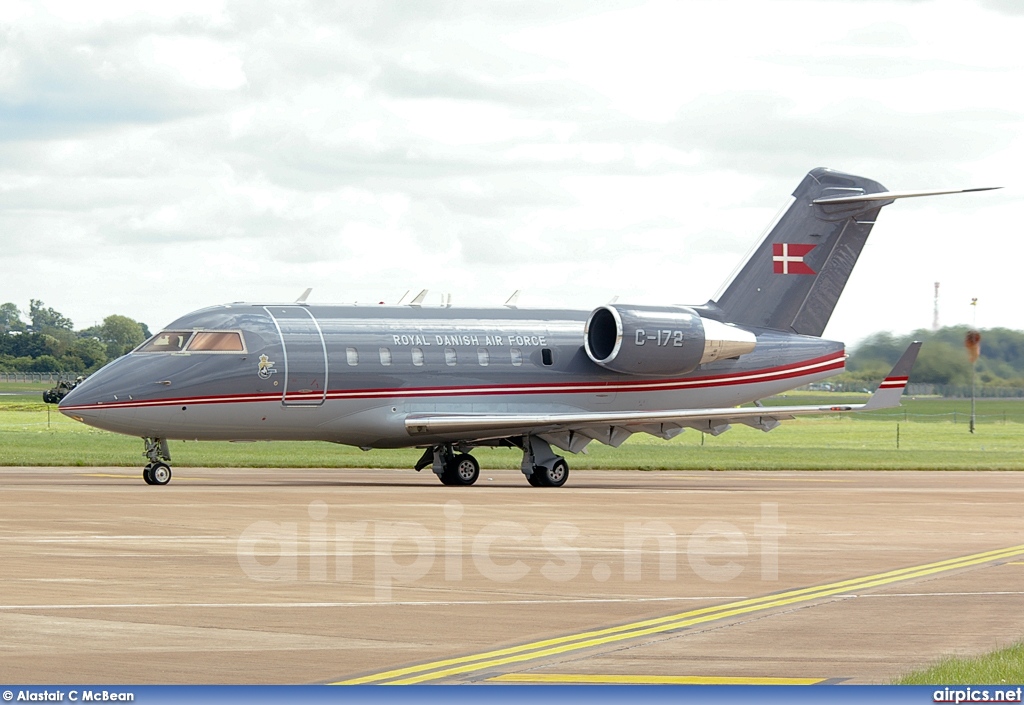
921,389
31,377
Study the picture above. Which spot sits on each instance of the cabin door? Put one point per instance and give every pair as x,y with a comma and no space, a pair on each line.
305,355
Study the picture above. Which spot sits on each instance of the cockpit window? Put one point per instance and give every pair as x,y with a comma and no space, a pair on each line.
216,341
166,341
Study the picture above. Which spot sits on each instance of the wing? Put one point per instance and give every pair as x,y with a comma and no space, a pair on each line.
573,431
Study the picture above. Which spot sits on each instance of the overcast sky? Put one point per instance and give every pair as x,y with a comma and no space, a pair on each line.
202,152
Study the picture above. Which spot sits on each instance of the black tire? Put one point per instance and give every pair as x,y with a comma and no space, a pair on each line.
554,476
463,470
160,473
147,474
535,479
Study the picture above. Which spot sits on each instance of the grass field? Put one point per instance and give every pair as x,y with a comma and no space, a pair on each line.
932,435
999,667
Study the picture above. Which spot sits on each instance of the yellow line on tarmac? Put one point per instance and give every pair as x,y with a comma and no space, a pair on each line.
660,625
587,679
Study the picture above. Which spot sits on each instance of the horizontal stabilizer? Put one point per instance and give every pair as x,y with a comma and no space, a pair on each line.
893,195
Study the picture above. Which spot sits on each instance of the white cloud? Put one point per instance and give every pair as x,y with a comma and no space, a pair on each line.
158,160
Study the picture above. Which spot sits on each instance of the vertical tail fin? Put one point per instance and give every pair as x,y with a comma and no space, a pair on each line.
794,277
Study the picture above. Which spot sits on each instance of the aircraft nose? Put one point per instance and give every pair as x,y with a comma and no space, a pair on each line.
109,385
80,400
77,396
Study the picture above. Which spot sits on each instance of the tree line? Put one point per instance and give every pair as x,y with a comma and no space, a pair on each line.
45,340
943,359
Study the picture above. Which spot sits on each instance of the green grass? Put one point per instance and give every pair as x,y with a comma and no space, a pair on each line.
998,667
933,435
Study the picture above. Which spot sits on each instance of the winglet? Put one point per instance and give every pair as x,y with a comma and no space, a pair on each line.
891,388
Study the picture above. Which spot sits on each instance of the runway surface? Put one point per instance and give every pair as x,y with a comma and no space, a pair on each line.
383,576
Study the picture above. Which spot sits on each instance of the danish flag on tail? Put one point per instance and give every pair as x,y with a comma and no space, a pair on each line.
788,258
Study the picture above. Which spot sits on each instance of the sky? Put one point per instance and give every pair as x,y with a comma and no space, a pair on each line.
159,160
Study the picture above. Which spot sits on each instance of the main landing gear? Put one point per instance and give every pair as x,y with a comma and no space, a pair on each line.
157,472
540,465
450,467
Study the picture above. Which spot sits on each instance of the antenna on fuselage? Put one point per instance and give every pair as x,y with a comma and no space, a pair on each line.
403,298
418,301
305,295
513,300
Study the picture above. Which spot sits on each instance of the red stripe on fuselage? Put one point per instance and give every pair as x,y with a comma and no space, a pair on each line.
826,363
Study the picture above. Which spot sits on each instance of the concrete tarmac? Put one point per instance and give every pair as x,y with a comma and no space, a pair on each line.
384,576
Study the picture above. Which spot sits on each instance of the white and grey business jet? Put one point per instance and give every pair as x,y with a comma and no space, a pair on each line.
449,380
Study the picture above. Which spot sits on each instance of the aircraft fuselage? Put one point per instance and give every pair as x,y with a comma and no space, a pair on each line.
352,374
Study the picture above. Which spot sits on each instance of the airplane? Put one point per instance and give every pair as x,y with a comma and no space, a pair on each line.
449,380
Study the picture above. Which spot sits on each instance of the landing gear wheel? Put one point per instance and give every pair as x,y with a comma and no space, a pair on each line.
554,476
462,470
160,473
147,474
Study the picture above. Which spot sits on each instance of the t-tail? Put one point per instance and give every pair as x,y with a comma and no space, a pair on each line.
795,275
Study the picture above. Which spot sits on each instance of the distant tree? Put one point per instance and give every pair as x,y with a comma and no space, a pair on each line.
46,318
941,363
879,350
45,363
28,345
85,355
120,334
10,318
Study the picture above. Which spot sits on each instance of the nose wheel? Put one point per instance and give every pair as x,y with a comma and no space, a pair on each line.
157,472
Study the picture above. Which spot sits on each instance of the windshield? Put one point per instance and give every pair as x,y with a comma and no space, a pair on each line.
166,341
217,341
194,341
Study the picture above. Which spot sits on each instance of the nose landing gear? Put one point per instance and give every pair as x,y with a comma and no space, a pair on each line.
157,472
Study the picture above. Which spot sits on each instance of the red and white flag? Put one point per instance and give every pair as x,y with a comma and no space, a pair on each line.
788,258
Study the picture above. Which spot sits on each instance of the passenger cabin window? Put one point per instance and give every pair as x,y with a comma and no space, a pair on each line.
385,356
216,341
483,357
352,356
450,357
517,357
417,357
166,341
546,357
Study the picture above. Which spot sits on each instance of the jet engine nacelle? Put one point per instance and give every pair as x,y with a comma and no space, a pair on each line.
659,340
